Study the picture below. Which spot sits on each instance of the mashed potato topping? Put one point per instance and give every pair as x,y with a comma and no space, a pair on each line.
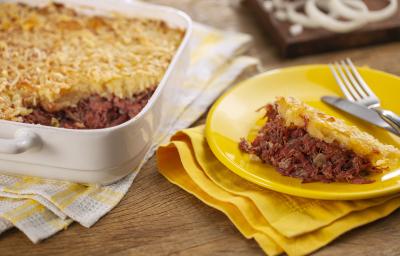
53,57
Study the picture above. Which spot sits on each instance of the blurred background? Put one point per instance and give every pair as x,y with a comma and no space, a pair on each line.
234,16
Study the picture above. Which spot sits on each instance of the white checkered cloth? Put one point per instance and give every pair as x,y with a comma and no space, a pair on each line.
41,208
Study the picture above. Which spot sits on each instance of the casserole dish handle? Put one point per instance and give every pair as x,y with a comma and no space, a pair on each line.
23,140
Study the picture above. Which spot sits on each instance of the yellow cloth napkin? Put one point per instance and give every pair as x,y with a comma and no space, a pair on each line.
278,222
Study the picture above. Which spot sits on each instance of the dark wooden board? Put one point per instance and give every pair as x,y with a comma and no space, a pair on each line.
319,40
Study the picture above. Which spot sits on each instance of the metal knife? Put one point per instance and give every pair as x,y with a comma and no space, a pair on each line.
358,111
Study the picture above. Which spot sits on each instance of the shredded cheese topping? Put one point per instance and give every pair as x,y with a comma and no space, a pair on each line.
52,56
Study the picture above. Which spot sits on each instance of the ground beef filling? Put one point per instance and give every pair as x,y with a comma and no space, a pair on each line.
94,112
293,152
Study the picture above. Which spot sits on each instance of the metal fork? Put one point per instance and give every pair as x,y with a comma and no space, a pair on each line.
356,89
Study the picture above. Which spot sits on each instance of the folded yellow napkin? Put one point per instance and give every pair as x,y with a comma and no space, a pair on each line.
278,222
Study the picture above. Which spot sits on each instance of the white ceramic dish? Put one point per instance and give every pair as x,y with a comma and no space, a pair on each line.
99,156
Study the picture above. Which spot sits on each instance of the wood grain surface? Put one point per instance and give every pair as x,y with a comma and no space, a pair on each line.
158,218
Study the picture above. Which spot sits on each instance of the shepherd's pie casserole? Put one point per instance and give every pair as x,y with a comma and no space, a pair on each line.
65,69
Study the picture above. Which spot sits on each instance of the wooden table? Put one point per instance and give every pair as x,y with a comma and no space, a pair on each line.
158,218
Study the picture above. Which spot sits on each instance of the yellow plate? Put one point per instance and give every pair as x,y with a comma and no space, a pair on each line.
234,116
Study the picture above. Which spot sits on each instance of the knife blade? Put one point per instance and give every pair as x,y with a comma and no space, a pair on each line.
358,111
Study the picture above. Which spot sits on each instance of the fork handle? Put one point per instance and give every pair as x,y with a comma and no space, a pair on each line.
390,117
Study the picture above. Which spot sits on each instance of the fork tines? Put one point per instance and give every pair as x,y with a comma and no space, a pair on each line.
350,81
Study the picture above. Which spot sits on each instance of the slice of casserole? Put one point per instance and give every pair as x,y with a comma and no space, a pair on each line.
299,141
62,68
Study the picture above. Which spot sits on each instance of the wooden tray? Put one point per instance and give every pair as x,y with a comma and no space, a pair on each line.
320,40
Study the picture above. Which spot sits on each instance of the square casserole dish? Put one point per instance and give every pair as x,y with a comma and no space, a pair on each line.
97,156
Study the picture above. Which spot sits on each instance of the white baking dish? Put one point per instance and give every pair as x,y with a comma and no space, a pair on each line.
103,155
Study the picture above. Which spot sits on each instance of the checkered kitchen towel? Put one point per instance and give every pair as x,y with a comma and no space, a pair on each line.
41,208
